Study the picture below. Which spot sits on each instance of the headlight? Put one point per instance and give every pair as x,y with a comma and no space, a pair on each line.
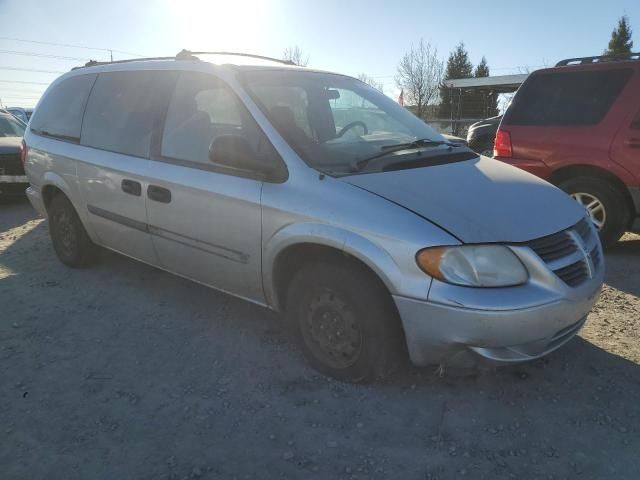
473,265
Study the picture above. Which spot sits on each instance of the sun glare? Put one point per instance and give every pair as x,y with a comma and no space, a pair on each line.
236,25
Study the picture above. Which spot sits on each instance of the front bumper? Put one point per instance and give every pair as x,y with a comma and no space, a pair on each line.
458,336
462,326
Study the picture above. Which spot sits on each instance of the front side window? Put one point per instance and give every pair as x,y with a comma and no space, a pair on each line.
567,98
59,114
332,121
123,110
201,110
10,127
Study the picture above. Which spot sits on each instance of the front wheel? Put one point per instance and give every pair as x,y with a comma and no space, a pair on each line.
605,205
345,322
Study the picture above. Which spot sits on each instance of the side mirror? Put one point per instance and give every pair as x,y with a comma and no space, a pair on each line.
235,152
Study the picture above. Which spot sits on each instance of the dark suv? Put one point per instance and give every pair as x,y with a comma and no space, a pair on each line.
13,181
577,125
481,134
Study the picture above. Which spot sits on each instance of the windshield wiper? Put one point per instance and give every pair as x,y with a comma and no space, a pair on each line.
396,147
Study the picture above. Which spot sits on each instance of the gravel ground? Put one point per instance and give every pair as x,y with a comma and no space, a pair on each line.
125,372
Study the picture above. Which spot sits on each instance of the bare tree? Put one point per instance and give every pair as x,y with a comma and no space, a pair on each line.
296,56
372,82
419,75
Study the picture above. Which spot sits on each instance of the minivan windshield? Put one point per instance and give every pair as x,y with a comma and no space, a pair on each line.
336,123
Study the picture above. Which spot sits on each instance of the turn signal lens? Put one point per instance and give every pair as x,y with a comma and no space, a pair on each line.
429,261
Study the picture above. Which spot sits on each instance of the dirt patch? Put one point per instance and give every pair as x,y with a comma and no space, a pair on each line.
123,371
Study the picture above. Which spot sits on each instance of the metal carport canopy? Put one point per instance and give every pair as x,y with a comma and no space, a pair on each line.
499,84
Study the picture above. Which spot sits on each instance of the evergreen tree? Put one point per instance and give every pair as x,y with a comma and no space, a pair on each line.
620,43
458,66
483,104
482,69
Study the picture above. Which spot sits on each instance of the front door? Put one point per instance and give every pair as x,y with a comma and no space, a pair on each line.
205,220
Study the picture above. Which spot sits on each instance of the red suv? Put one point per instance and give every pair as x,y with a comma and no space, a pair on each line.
577,125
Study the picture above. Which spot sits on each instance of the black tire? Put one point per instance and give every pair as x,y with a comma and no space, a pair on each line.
346,298
70,240
616,208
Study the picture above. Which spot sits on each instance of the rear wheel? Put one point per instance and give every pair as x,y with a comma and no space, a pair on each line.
70,240
345,322
606,206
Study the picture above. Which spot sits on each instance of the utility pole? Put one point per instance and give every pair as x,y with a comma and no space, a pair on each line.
111,54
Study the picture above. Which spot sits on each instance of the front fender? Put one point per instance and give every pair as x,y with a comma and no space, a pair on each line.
372,255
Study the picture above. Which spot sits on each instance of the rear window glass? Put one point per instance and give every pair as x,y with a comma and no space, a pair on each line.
567,98
60,112
123,109
10,127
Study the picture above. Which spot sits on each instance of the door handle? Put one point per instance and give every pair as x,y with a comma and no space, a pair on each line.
131,187
633,143
159,194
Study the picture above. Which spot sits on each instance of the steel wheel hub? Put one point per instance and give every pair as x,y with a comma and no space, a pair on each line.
332,331
594,208
66,233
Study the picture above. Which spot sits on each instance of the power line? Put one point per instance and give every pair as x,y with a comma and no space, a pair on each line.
19,98
19,81
43,55
68,45
21,90
30,70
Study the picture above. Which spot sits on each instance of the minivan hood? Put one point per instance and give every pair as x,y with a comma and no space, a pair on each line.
478,201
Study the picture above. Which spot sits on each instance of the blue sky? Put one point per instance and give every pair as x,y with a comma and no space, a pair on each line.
345,36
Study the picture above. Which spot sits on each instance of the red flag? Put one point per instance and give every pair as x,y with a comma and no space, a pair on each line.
401,98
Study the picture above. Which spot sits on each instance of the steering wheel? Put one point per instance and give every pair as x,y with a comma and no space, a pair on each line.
349,126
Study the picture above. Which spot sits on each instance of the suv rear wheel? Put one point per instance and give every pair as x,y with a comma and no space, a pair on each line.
606,206
70,240
345,322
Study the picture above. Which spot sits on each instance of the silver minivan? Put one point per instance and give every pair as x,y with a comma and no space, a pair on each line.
316,195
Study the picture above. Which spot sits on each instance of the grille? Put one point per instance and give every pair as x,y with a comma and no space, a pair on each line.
595,257
554,246
574,274
583,229
562,251
10,164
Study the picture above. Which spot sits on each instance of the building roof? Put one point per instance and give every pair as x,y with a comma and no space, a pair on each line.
503,83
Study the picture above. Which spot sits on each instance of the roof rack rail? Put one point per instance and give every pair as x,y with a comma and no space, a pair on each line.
598,59
94,63
240,54
185,55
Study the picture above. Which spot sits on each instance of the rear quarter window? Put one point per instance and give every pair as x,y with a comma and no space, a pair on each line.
565,98
59,114
124,108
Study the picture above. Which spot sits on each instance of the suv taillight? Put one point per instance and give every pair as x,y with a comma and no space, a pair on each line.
23,151
502,145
